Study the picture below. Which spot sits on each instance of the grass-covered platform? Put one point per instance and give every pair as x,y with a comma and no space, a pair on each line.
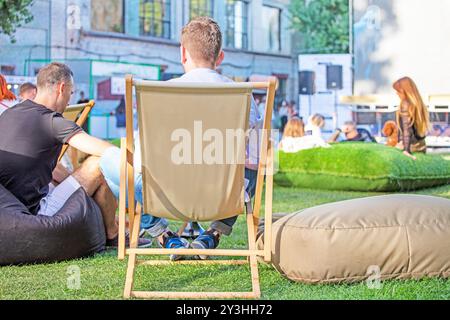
361,167
103,276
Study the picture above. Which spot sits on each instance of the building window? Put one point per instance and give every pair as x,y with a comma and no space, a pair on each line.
155,18
272,22
201,8
7,70
107,15
237,24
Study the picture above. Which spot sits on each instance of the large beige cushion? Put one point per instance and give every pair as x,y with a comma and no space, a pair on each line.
405,236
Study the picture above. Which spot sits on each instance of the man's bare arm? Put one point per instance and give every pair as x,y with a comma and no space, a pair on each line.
89,144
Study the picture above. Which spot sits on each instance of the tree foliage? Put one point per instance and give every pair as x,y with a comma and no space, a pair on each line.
13,14
323,24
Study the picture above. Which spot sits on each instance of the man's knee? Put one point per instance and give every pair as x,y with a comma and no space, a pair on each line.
91,163
89,175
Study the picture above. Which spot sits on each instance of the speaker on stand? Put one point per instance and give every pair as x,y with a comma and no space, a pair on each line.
307,83
335,83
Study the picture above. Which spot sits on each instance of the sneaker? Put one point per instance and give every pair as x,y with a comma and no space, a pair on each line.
173,241
152,229
142,242
207,240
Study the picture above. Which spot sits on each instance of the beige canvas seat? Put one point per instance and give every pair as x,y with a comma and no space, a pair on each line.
79,114
193,164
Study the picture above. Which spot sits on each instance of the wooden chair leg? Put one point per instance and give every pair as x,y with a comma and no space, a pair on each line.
268,205
253,259
136,226
130,276
121,246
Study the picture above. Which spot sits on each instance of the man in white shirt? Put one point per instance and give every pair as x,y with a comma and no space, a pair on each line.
201,54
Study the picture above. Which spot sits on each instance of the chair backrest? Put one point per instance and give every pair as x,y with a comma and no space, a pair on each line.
77,113
193,145
72,112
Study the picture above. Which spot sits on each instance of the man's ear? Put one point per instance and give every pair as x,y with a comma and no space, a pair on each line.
220,58
61,88
183,53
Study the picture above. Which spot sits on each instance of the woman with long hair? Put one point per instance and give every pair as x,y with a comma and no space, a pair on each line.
412,118
7,98
294,128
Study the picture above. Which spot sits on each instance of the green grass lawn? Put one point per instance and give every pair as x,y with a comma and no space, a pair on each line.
103,276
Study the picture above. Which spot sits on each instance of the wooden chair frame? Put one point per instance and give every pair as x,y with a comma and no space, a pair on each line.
83,114
253,213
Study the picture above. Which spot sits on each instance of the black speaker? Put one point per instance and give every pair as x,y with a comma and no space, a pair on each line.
334,77
307,81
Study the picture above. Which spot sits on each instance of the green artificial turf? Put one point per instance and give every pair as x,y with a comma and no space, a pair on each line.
361,167
103,276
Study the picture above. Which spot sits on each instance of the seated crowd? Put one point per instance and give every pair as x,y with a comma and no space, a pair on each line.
408,133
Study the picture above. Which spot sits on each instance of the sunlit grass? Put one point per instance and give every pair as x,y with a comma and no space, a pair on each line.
103,276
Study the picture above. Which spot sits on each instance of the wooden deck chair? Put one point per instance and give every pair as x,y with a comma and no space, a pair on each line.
77,113
197,191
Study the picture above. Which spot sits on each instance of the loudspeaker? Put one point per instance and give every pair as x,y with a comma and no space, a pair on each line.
307,81
334,77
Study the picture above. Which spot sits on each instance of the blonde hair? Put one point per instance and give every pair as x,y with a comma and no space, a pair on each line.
417,111
202,38
294,128
318,120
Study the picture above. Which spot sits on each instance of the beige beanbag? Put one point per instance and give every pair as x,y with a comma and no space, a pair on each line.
405,236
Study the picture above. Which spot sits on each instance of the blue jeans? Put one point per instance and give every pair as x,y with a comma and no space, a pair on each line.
110,167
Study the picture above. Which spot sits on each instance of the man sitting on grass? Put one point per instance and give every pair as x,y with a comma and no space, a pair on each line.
31,139
201,54
353,133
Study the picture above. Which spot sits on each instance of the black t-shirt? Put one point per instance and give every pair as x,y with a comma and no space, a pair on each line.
31,138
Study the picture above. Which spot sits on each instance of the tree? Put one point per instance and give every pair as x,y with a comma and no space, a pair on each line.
323,25
13,14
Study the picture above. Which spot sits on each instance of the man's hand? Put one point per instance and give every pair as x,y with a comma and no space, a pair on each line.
409,155
334,137
89,144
